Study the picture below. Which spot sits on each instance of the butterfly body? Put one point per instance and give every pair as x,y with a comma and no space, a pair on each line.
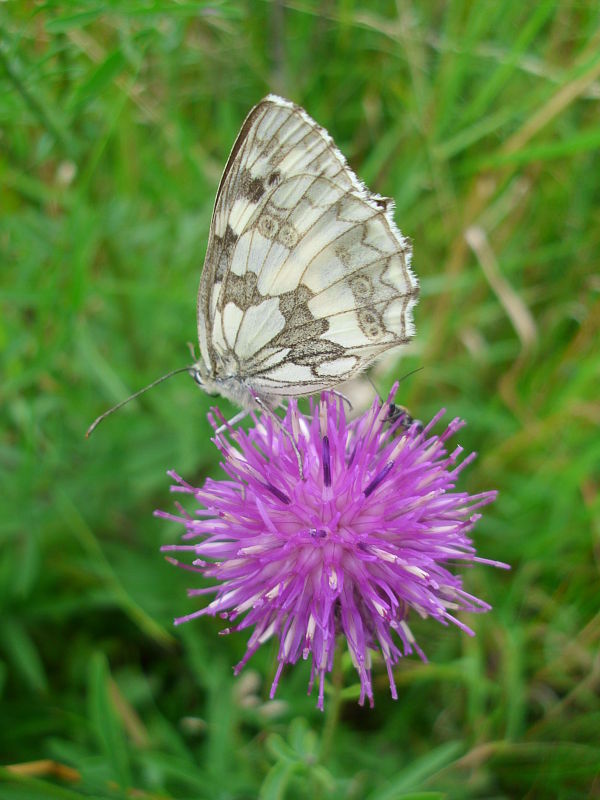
229,385
306,278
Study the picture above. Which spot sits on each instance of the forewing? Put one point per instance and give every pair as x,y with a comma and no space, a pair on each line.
307,279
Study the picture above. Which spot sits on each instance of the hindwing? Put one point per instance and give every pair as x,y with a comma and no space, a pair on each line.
307,279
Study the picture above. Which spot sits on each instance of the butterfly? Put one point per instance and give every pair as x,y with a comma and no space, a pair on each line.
306,278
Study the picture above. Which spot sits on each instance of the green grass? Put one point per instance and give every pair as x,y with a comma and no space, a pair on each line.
482,121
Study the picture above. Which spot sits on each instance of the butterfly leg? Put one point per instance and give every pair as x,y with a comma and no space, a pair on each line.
231,422
342,397
277,421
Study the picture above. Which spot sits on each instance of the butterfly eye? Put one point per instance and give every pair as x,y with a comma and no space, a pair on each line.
207,388
195,373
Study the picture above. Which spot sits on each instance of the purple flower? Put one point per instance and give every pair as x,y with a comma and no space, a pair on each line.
368,536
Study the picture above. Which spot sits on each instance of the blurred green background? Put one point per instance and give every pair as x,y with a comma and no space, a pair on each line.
482,120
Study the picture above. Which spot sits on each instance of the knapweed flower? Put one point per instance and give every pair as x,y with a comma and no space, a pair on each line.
368,534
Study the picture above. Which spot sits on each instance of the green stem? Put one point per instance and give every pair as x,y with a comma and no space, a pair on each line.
334,704
36,106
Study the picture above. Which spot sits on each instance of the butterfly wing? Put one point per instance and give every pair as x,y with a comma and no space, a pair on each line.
307,278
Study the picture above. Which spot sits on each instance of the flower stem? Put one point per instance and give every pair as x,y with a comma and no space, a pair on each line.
334,704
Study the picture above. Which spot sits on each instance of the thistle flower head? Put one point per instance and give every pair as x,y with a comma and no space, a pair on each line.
367,537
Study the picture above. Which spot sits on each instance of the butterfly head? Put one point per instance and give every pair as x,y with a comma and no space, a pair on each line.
202,377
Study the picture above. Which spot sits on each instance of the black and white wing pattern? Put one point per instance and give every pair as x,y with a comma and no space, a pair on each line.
307,279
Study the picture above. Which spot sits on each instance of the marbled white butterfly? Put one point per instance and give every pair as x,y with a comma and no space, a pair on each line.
306,278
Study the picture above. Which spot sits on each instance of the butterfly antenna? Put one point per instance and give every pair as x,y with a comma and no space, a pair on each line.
403,378
99,419
408,374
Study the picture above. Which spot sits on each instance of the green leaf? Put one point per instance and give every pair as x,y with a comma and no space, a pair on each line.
23,654
67,22
105,723
420,770
275,784
546,151
99,79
